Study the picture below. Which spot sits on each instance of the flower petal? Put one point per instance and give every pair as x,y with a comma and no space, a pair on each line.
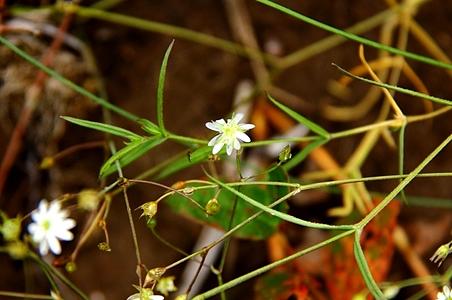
213,126
229,149
214,140
243,137
236,144
54,244
246,127
217,148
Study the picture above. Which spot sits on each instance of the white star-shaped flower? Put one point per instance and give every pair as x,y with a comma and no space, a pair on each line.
445,295
50,224
230,133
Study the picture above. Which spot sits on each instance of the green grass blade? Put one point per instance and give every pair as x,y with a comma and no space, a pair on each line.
355,37
128,154
401,155
396,88
118,131
364,268
104,103
160,89
300,156
299,118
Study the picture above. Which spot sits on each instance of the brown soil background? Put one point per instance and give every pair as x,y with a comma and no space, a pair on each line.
200,85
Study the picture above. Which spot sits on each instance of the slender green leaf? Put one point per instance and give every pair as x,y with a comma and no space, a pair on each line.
355,37
129,153
118,131
364,268
67,82
149,127
402,158
396,88
160,89
197,156
300,156
302,120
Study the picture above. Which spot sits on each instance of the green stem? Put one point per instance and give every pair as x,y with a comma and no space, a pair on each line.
403,184
269,267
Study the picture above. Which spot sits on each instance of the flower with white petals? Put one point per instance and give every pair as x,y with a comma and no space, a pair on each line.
50,224
145,294
446,294
230,133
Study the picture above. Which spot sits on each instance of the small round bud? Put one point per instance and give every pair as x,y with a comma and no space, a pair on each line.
181,297
154,275
441,253
10,229
178,185
17,250
212,207
47,163
70,267
151,223
285,154
104,246
88,199
149,209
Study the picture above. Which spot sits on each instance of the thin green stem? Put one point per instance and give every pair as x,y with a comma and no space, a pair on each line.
403,184
269,267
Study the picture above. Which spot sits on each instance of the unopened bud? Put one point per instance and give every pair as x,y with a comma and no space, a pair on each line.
17,250
154,275
70,267
285,154
166,285
441,253
212,207
151,223
149,209
104,246
47,163
10,229
88,199
178,185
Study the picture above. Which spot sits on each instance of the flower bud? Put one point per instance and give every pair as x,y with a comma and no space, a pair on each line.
17,250
10,229
88,199
149,209
47,163
285,154
104,246
70,267
212,207
441,253
188,191
154,275
178,185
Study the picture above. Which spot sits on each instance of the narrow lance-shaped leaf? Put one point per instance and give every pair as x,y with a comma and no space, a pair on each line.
355,37
118,131
129,153
302,120
364,268
149,127
66,81
160,89
396,88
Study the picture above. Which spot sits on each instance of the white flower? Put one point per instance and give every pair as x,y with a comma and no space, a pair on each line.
230,133
145,296
445,295
50,224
